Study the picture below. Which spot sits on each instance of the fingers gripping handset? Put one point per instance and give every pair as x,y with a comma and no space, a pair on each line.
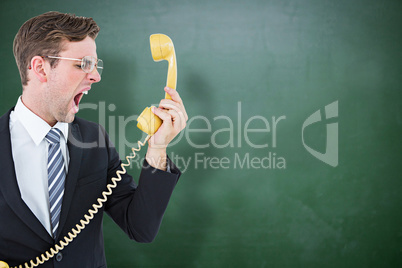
162,49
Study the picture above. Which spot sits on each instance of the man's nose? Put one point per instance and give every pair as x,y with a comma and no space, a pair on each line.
94,76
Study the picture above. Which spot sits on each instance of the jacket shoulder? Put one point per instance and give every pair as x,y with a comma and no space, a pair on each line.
5,119
87,127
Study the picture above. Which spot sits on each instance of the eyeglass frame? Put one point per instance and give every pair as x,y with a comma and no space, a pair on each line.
82,63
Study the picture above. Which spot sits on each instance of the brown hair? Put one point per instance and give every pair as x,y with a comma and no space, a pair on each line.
43,35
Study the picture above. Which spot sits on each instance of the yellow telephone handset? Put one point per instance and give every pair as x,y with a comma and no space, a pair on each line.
162,49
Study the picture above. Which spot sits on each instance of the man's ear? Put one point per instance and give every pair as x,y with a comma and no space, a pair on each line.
38,68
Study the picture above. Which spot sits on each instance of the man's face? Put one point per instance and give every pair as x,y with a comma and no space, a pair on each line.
67,81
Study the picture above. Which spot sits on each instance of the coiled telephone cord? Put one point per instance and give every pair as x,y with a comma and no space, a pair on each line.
89,216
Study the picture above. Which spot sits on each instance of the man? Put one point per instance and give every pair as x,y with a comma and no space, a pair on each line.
49,177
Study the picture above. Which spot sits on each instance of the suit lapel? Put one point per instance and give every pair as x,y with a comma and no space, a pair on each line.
9,186
74,139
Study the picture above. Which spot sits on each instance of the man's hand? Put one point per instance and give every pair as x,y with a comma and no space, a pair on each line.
174,117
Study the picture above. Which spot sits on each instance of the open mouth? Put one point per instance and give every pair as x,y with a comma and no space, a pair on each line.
77,100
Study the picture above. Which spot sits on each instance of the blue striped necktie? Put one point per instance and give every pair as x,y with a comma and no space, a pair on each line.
56,177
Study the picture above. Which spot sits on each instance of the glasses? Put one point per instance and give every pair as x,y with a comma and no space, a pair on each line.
88,63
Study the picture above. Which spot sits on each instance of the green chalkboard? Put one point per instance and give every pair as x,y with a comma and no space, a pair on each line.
292,148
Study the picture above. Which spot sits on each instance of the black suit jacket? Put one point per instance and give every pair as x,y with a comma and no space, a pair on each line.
137,210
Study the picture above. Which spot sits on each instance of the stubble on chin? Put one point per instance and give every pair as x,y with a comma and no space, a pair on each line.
65,117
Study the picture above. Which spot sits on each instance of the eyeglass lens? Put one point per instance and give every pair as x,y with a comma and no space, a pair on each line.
88,64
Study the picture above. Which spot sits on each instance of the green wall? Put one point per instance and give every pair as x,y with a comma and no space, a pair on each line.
263,67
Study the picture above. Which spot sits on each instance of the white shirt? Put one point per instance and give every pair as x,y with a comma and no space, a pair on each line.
30,151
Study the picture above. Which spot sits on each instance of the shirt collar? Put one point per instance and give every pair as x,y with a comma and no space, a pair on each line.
36,127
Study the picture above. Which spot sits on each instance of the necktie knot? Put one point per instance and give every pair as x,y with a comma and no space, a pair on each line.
53,136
